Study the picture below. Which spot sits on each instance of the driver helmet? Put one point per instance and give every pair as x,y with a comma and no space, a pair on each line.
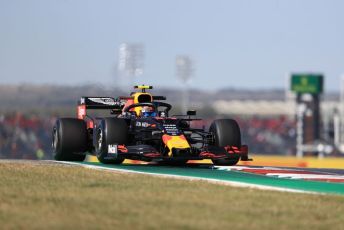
148,112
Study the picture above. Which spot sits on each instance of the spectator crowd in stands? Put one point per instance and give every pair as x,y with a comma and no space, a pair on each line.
25,137
29,136
274,135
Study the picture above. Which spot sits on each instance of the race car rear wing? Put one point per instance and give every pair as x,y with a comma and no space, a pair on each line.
85,103
115,105
100,103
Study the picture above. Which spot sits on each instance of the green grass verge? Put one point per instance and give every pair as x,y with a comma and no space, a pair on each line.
48,196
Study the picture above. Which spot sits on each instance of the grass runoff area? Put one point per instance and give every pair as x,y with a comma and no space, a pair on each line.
36,195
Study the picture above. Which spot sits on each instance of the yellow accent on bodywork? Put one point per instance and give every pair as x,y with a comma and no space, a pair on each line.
178,142
143,87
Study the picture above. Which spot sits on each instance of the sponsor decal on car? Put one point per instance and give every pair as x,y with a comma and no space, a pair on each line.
113,149
103,100
142,124
171,129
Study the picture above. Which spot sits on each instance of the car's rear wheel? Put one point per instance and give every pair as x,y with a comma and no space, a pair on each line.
69,139
110,131
226,133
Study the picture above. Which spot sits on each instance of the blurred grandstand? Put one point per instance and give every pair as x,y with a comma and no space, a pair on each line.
266,117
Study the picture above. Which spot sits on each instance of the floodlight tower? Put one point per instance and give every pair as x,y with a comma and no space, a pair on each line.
130,62
184,72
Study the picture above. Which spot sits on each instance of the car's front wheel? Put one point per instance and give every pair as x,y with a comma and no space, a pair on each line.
226,132
110,133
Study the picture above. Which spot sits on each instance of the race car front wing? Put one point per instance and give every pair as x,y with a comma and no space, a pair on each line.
148,152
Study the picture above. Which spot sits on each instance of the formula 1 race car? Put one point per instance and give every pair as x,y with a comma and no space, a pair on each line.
140,128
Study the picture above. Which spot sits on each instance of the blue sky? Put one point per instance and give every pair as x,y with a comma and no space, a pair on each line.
242,44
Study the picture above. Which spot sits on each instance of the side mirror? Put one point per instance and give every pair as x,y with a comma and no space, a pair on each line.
191,113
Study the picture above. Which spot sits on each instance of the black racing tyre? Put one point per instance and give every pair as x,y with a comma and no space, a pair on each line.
226,132
69,139
110,131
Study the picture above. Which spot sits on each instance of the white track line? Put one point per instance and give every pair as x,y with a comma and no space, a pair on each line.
305,176
240,168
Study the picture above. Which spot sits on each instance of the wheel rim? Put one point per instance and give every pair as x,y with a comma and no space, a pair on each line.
55,139
100,139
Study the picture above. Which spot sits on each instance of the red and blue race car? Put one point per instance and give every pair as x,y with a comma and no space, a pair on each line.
139,127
